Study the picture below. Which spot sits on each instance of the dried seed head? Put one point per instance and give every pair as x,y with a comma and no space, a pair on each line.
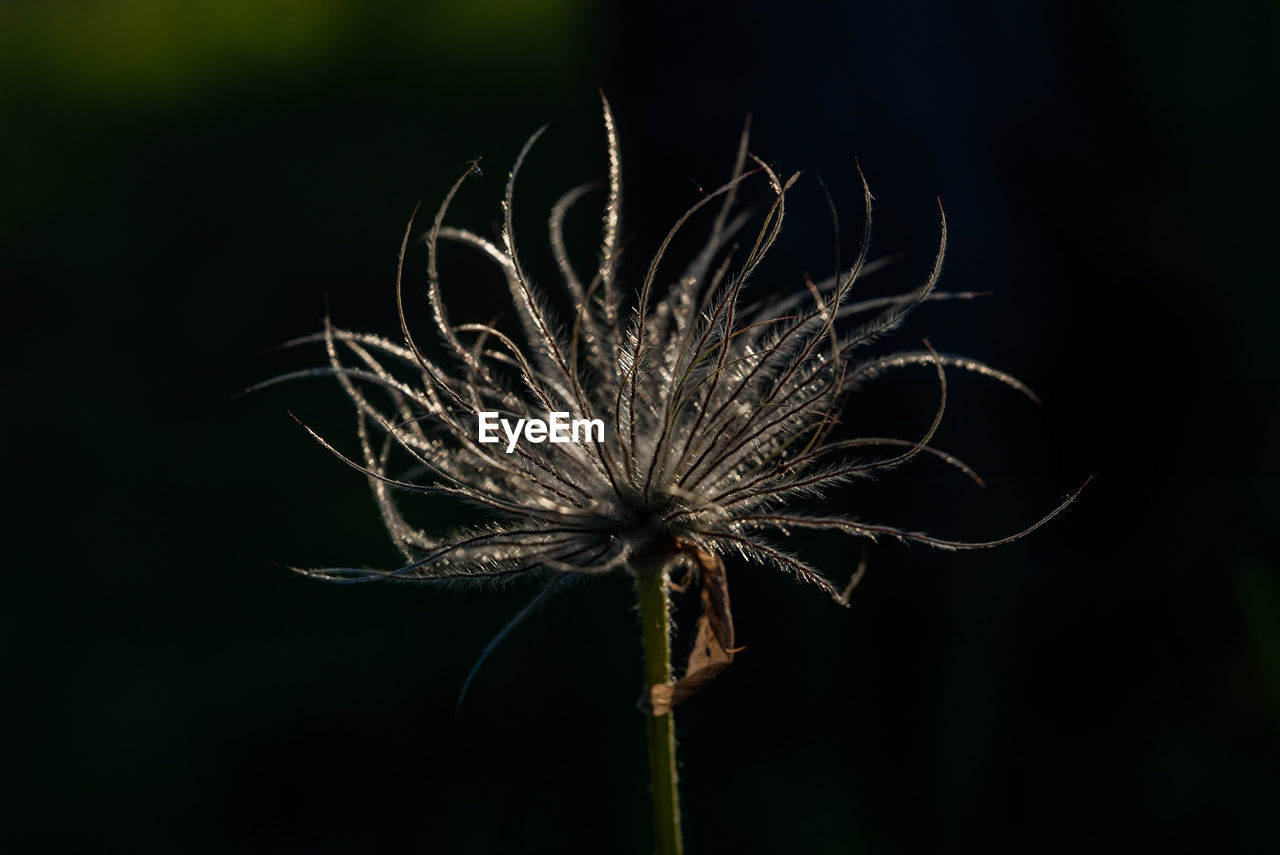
720,417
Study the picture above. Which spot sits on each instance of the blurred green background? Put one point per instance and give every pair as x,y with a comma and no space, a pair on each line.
185,183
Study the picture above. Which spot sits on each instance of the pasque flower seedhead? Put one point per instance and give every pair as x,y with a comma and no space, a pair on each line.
719,413
709,409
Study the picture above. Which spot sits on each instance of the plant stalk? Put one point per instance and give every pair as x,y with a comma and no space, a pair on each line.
651,591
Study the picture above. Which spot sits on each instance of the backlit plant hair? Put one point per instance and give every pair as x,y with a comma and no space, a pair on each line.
721,423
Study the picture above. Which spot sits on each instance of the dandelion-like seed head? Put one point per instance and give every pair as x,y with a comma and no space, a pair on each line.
719,399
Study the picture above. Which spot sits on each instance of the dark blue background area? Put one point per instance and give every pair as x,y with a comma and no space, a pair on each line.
182,194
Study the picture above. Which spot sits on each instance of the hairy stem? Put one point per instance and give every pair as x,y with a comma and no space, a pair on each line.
651,591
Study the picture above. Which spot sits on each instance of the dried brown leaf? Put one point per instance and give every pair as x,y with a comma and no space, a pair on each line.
713,647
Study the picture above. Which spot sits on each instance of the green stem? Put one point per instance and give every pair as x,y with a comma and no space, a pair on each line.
651,591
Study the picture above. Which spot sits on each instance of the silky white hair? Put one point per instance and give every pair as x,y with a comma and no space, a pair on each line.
721,416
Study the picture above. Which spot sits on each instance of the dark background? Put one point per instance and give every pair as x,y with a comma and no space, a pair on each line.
185,182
